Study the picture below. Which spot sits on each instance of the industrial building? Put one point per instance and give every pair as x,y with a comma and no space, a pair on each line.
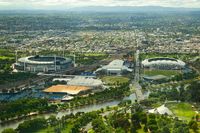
116,67
42,63
163,63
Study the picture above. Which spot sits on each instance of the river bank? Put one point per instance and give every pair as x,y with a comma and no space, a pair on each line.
88,108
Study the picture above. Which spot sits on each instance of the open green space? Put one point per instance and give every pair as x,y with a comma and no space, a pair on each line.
115,80
167,73
52,129
182,110
95,54
6,58
181,56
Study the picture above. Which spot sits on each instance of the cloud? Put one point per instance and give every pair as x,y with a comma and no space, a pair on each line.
78,3
4,3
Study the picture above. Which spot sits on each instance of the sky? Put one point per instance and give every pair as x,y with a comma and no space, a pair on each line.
65,4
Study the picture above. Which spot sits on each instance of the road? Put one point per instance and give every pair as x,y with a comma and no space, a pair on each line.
135,81
62,75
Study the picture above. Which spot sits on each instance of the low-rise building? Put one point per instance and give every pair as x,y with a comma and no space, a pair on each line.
67,90
116,67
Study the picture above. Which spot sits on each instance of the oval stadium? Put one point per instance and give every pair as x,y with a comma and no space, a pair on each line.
42,63
163,63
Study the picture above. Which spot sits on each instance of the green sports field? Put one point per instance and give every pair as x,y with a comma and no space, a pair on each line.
115,79
167,73
182,110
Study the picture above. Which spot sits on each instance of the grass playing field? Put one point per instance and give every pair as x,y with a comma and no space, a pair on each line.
115,79
167,73
182,110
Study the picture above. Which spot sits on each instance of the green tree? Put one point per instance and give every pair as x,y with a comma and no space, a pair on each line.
197,117
133,129
165,130
9,130
193,125
32,125
99,126
194,91
120,130
52,120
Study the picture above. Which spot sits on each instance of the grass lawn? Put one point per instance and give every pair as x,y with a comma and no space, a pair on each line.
67,129
6,58
47,130
115,79
182,110
95,54
167,73
91,131
141,130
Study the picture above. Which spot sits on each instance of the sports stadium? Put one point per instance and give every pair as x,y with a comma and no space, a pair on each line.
163,63
42,63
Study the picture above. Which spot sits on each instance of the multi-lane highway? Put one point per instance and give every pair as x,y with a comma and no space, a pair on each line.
135,81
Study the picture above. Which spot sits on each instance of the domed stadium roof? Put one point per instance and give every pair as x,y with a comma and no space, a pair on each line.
163,62
43,59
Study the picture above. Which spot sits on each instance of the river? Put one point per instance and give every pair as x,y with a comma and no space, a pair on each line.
14,124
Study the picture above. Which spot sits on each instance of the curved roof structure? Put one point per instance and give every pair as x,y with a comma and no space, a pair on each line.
72,90
43,59
163,62
161,110
115,65
85,81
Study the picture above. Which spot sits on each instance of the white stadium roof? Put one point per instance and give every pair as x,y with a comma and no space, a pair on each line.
162,62
115,65
26,60
61,79
30,59
85,81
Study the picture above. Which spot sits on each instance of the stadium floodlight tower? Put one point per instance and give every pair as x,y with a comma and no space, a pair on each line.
55,62
74,59
16,56
74,56
24,66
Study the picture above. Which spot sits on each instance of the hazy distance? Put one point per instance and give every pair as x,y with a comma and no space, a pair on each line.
73,4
